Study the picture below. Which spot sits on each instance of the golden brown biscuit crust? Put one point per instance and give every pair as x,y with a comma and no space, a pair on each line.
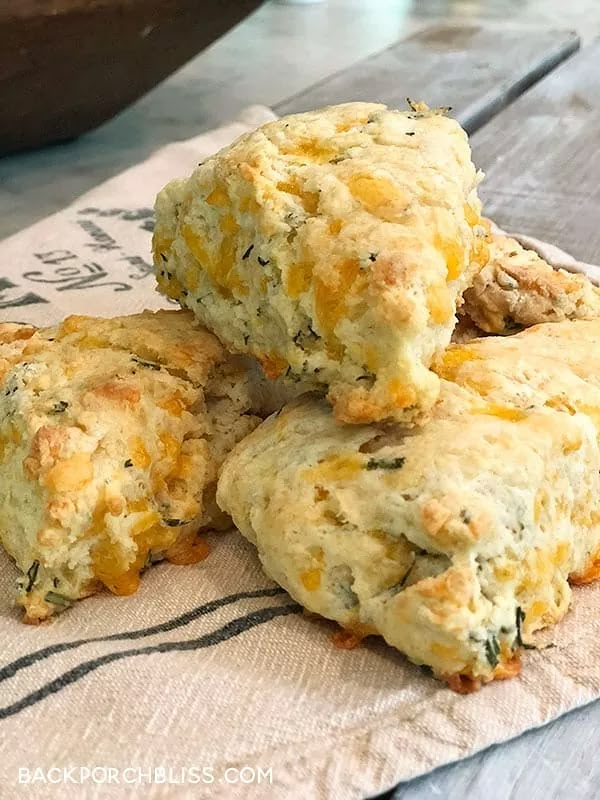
457,540
333,246
111,434
518,289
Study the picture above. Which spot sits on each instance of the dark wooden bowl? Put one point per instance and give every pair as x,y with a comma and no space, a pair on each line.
68,65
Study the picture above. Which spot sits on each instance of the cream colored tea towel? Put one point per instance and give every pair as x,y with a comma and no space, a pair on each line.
94,257
210,682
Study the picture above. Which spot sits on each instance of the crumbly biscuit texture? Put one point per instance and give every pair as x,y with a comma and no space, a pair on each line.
334,246
518,289
466,330
111,435
455,541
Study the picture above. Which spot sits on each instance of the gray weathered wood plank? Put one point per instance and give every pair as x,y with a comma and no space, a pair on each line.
542,161
476,70
543,178
557,762
260,62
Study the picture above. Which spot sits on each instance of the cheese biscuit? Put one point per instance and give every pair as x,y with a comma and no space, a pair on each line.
111,434
454,541
333,246
518,289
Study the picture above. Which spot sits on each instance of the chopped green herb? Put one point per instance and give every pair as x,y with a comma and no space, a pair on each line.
492,651
372,256
511,325
59,407
247,253
128,463
465,516
474,638
306,335
262,261
32,574
414,106
176,523
57,599
406,575
386,463
520,619
163,256
410,133
148,364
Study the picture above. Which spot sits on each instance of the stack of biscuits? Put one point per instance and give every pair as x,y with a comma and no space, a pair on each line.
431,469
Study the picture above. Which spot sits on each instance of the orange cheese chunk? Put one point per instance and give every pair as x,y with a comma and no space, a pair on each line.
298,278
335,468
471,215
453,254
309,200
402,395
331,299
71,474
188,550
309,148
439,304
502,412
450,362
311,579
273,365
228,225
379,196
172,405
138,453
218,197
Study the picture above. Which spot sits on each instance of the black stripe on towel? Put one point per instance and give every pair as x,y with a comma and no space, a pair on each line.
226,632
177,622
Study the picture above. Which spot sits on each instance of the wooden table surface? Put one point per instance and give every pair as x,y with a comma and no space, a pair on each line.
540,150
541,157
475,70
543,178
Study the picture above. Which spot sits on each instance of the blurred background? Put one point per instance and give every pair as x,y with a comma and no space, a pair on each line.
68,65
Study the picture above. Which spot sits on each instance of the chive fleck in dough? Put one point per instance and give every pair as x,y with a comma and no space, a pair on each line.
518,289
111,434
454,541
334,246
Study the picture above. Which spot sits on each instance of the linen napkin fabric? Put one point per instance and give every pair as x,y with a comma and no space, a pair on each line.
210,682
